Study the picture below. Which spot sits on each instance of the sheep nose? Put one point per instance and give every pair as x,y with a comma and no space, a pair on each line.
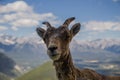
52,48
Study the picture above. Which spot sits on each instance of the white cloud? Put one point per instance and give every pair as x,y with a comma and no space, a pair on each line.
117,28
25,23
19,14
14,28
17,6
3,28
101,26
116,0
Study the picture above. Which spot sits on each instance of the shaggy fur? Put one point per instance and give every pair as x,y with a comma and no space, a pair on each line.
57,41
65,70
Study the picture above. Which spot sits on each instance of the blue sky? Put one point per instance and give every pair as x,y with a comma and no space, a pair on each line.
100,19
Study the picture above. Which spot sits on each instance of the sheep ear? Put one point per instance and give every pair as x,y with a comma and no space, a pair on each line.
75,29
40,31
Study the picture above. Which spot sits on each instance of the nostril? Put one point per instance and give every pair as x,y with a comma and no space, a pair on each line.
52,48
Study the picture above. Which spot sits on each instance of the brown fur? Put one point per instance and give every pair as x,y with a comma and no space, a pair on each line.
57,41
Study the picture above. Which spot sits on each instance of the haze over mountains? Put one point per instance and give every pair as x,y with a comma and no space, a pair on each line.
100,54
11,42
8,68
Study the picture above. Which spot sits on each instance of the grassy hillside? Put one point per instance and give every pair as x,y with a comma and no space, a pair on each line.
4,77
44,72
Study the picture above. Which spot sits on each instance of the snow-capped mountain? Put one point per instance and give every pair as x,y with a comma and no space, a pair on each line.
7,39
98,43
32,45
105,44
25,51
36,45
29,52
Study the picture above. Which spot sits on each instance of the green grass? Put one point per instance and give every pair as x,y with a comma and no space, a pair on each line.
44,72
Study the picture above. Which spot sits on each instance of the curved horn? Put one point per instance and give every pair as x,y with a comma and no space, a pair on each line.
47,24
68,21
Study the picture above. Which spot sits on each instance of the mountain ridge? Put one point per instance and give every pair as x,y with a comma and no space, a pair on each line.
31,52
98,43
8,68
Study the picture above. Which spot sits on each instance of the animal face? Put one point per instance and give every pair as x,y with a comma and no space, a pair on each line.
57,39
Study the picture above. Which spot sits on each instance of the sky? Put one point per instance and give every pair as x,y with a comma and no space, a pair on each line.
100,19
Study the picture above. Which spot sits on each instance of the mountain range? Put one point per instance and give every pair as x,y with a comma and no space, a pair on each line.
29,52
8,68
8,42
